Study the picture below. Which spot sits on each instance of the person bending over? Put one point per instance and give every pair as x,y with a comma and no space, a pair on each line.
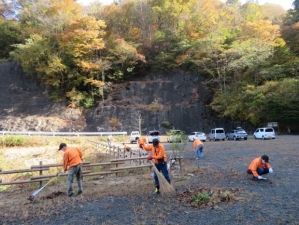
160,159
198,148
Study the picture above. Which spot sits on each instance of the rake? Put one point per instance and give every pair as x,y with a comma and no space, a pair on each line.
31,197
165,187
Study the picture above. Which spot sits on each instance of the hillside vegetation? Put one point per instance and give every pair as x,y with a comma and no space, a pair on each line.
245,54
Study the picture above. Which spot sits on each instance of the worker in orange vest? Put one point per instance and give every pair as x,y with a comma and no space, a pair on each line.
198,148
72,161
260,166
160,159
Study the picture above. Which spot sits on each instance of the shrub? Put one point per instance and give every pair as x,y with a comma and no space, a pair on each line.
201,197
13,140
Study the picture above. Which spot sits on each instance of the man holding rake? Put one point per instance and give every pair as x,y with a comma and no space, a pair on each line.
160,159
72,161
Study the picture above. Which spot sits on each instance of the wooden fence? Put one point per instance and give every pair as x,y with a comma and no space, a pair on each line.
119,161
117,153
113,165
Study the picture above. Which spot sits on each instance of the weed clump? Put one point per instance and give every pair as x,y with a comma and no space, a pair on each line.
209,197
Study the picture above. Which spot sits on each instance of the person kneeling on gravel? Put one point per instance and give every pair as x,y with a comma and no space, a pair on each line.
72,161
160,158
259,167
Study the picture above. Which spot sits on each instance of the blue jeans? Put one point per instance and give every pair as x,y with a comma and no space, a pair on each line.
262,171
162,167
198,152
74,170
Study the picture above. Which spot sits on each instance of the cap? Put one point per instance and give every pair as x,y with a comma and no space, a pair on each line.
155,142
265,158
61,146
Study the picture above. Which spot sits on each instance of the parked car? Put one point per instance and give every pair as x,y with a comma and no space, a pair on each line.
134,135
175,136
217,134
264,133
197,135
153,134
236,134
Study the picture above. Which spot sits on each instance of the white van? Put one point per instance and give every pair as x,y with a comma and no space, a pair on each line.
217,134
264,133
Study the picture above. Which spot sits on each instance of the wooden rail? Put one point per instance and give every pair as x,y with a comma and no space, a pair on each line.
121,156
51,165
115,151
24,171
45,177
23,181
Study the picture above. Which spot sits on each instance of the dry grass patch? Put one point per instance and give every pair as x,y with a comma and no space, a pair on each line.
210,197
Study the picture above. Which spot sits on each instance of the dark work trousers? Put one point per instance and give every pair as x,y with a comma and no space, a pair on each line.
74,171
162,167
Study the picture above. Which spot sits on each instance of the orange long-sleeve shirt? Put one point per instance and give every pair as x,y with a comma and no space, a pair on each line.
257,163
196,143
71,157
157,152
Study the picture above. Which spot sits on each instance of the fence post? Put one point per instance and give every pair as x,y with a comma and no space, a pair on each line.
180,166
40,173
116,166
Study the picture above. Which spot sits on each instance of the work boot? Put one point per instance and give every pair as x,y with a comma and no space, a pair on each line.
79,192
157,191
70,195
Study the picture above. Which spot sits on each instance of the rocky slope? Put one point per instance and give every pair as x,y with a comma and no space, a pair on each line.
176,99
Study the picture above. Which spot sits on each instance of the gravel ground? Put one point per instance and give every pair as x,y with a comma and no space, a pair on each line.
224,165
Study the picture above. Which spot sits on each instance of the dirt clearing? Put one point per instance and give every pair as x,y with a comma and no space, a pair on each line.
213,190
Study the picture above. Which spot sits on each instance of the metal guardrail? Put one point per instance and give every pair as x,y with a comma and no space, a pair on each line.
29,133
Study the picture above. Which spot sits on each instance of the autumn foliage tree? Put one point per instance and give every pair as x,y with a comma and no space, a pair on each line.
240,51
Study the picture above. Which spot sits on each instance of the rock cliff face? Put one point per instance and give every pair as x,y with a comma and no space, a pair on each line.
176,99
25,105
157,101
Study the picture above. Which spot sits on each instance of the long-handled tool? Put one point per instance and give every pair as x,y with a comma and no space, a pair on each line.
165,186
31,197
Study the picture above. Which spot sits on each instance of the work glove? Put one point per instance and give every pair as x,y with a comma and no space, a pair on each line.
141,146
270,170
149,157
261,178
62,171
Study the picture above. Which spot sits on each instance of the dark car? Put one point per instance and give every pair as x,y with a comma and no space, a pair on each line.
236,134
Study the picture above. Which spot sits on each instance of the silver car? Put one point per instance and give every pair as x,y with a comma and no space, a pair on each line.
153,134
197,135
236,134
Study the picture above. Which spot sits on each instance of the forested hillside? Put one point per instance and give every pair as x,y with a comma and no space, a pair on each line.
245,55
